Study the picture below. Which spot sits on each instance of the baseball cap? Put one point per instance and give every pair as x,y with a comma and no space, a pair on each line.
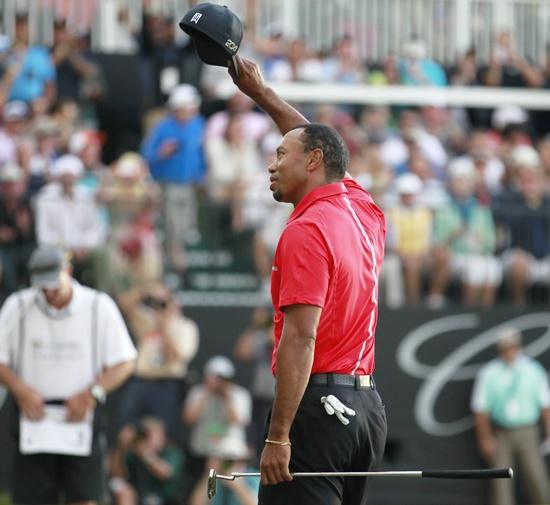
220,366
508,337
408,184
524,156
45,265
68,164
184,95
216,32
15,110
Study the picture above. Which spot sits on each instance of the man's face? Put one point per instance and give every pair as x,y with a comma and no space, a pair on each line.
509,352
54,295
288,174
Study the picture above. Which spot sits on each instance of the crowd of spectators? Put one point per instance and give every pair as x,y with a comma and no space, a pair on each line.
465,192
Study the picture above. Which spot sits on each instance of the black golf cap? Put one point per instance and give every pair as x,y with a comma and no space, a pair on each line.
216,32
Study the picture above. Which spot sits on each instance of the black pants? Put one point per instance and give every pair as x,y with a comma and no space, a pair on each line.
44,479
321,443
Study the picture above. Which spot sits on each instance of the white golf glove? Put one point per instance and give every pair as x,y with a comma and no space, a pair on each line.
334,406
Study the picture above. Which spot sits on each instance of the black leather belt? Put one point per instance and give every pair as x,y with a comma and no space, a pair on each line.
336,379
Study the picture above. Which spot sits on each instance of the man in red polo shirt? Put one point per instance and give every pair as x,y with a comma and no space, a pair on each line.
327,416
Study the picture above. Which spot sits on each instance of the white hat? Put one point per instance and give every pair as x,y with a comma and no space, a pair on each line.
220,366
68,164
81,139
508,337
408,184
461,167
15,110
524,156
11,172
184,95
508,115
130,164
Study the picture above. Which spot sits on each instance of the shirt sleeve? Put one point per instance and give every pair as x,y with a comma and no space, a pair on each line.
478,402
185,335
544,390
116,345
9,324
305,266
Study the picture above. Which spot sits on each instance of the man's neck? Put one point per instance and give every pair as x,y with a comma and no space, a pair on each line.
64,298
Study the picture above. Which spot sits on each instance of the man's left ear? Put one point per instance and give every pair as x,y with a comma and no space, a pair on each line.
315,159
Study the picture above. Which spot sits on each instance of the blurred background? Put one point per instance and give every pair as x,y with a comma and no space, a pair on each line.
444,105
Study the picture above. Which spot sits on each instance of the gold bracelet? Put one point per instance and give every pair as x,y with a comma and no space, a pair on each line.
277,442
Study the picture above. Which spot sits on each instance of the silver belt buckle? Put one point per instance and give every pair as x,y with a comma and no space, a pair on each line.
365,381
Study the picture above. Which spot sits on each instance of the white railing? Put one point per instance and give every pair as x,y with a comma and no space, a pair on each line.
381,27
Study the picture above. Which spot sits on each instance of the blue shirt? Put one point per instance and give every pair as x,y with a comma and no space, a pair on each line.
37,69
432,72
187,164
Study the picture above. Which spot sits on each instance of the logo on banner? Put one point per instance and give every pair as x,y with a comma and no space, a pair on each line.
458,364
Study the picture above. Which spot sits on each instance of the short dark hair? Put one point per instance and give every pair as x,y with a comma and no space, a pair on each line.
330,142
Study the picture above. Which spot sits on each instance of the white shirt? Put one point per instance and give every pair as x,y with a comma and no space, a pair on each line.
70,223
213,433
61,352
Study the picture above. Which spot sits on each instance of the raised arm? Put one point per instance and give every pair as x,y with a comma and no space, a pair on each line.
250,81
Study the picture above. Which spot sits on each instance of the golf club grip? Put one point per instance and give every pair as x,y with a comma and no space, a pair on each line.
491,473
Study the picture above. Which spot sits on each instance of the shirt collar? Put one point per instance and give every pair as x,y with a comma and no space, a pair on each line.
66,311
320,193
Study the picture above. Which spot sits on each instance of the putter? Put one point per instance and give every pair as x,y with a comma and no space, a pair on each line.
491,473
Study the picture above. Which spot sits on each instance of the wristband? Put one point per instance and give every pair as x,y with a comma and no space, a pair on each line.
276,442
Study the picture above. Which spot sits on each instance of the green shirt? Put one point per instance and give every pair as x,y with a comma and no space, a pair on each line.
512,394
479,237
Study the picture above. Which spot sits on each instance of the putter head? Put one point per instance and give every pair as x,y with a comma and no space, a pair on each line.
211,487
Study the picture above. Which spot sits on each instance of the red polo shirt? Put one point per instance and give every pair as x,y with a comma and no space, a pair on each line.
329,255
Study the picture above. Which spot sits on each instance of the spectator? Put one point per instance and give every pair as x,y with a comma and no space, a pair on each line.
174,151
410,233
256,124
396,149
71,65
464,235
510,394
255,346
524,216
300,65
74,350
232,162
507,68
217,413
86,144
47,148
466,71
417,69
388,74
344,65
17,238
67,216
167,341
14,116
29,73
489,168
154,465
133,247
121,491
